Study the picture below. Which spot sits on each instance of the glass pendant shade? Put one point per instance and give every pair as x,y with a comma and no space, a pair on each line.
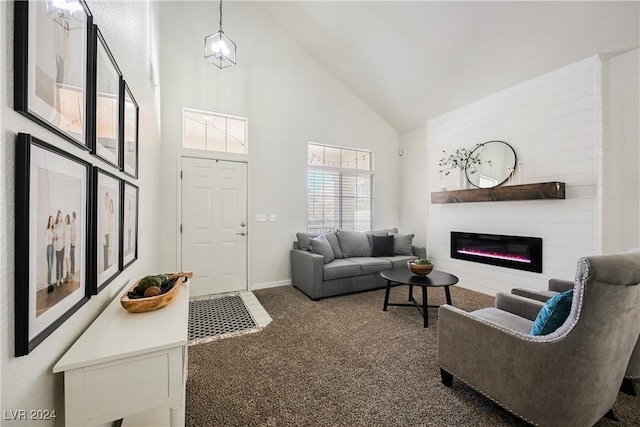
220,50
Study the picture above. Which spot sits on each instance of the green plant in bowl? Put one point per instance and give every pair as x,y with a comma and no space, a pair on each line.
420,267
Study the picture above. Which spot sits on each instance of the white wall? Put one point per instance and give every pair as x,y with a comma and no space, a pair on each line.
621,149
554,124
413,181
289,100
27,382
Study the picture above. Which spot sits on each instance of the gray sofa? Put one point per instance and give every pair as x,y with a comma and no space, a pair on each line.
355,266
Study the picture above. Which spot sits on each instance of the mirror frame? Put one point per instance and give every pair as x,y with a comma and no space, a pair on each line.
515,162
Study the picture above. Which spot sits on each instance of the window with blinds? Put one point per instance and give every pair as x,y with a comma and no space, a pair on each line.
339,189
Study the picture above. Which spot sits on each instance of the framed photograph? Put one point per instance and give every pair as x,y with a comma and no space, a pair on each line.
106,228
129,248
53,44
130,132
108,103
52,239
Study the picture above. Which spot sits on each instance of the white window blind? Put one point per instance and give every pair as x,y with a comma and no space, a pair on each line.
340,189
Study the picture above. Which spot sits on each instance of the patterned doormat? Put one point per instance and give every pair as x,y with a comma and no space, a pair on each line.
217,317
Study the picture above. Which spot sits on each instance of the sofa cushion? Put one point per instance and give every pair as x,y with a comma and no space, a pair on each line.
553,313
340,268
303,240
353,243
382,246
384,232
399,261
371,265
335,245
504,318
402,243
320,245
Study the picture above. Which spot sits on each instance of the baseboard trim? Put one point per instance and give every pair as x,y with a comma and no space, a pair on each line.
480,289
267,285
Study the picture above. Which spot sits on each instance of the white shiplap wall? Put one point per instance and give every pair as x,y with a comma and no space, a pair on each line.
554,124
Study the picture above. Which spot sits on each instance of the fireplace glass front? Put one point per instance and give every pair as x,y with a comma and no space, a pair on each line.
518,252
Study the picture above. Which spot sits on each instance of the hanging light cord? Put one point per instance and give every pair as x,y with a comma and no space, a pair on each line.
220,15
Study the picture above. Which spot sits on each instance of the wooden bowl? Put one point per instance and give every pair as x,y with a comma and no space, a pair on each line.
420,269
142,305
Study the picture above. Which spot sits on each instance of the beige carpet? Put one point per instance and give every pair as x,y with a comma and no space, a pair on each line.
342,362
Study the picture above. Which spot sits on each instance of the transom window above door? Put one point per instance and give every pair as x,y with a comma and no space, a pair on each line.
205,130
340,189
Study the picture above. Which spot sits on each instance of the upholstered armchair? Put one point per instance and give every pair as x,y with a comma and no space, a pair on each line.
569,377
554,287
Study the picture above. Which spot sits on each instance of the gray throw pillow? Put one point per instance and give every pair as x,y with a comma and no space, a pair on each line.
385,232
353,243
320,245
402,243
335,245
303,240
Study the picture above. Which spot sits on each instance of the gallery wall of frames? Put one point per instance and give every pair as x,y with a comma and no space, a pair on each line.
76,220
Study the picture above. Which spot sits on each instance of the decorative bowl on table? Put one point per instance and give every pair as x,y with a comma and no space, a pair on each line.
420,267
153,292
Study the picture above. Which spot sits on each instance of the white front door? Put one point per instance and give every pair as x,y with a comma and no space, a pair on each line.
214,225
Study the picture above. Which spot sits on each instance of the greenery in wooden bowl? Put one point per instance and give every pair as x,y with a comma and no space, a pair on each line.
136,300
420,267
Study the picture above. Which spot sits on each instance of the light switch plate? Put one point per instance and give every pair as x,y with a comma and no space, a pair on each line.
273,218
261,217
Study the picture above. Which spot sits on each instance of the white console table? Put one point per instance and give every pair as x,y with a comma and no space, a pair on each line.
128,363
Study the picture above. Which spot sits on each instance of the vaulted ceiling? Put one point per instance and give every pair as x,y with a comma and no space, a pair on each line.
413,60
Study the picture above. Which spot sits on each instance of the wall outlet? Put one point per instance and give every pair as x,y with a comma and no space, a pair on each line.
261,217
273,218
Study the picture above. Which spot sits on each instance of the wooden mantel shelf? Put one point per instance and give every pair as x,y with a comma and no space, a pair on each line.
543,190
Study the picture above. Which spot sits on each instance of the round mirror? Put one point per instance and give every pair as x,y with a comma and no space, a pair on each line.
490,164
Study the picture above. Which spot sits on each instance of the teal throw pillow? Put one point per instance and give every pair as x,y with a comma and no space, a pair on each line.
553,314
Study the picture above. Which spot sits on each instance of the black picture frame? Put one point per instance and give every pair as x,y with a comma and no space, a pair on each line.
53,51
106,229
129,220
130,129
50,183
107,103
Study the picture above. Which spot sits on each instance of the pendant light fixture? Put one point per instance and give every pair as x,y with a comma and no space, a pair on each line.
219,49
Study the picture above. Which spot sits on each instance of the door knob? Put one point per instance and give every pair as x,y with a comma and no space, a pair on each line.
242,233
243,225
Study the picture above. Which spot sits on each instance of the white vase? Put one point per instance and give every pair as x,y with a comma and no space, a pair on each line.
463,182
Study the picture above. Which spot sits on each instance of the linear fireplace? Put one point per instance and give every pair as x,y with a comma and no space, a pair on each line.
521,253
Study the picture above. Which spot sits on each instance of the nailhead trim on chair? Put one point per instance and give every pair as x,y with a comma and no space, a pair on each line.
492,399
541,338
513,332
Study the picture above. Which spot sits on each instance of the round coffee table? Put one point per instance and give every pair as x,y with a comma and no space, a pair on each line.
402,276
